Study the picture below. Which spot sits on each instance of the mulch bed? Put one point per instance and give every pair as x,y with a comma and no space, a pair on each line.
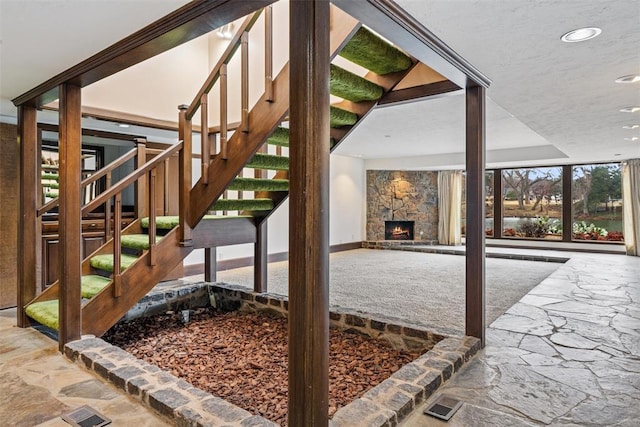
242,357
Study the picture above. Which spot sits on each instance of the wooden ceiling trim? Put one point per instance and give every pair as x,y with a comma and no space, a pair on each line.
418,93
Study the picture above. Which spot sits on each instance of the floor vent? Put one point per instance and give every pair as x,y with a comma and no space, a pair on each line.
86,416
443,407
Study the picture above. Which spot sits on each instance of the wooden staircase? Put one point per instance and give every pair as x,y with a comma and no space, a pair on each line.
128,265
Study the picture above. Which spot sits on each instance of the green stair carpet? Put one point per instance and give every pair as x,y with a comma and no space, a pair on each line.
268,161
340,117
350,86
105,262
259,184
280,137
137,241
242,205
54,185
45,313
47,175
373,53
92,284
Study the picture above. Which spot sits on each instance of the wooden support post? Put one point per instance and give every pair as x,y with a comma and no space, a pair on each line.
184,172
117,247
567,203
107,210
475,253
260,258
152,216
268,53
140,187
309,214
210,267
497,204
28,231
70,222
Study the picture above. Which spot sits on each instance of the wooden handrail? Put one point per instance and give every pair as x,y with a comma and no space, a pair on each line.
224,59
131,178
96,176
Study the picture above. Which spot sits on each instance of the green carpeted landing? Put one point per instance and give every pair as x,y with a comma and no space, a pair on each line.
371,52
259,184
242,205
105,262
170,221
350,86
137,241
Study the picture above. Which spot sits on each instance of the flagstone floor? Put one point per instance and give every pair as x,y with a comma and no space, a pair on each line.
567,354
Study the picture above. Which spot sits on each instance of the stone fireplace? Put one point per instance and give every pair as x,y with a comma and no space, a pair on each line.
396,199
398,230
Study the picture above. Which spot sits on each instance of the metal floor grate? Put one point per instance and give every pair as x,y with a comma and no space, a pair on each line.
443,407
86,416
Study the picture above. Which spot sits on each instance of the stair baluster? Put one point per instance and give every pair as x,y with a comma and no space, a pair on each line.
117,246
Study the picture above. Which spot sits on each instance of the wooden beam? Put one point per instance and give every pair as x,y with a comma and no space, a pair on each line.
567,203
475,253
194,19
388,19
70,218
29,231
420,93
309,46
260,255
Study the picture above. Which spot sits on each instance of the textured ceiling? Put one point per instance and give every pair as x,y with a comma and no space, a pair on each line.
548,99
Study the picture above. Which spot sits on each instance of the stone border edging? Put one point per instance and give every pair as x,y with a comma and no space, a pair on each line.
382,406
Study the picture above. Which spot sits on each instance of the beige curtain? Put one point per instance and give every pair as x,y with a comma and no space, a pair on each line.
631,205
449,207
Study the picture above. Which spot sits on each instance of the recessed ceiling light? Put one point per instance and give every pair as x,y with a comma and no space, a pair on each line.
630,126
122,125
581,34
617,154
634,109
633,138
631,78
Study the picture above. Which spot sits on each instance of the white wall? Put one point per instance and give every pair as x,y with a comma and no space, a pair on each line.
154,88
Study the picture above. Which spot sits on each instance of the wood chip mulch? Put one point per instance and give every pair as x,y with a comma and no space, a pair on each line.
242,357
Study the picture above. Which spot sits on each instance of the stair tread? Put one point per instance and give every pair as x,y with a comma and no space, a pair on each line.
350,86
242,205
105,261
340,117
45,313
137,241
167,222
280,137
371,52
268,161
259,184
91,284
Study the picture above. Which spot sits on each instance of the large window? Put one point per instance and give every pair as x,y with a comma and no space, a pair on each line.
597,202
532,203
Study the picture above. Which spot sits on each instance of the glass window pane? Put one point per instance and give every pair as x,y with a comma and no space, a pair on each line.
597,202
532,206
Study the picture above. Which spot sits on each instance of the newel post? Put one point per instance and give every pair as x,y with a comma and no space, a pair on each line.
185,179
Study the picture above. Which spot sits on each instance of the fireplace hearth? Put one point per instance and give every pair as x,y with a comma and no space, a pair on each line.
398,230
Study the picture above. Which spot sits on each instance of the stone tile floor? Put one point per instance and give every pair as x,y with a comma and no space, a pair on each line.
567,354
37,384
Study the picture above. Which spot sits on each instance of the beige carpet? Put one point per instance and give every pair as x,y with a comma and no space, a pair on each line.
420,288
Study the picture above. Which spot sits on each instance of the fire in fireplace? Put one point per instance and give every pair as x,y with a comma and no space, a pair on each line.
398,230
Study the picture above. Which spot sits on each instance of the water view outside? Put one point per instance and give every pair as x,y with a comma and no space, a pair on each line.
597,202
532,203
